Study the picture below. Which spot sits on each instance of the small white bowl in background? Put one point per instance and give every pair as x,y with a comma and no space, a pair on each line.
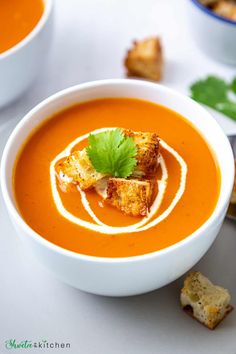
129,275
20,64
214,34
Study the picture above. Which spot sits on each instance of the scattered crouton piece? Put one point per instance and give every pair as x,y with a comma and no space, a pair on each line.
77,169
226,9
147,154
145,59
132,197
206,302
233,197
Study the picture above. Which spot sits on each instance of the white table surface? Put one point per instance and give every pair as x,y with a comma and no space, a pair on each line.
91,37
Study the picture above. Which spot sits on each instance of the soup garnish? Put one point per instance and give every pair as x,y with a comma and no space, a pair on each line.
115,153
132,196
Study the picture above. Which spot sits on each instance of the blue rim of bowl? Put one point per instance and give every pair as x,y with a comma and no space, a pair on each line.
211,13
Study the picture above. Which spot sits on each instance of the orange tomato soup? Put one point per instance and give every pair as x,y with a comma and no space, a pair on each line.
17,20
34,195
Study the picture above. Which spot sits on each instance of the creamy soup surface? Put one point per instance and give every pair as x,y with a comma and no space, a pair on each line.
33,183
17,20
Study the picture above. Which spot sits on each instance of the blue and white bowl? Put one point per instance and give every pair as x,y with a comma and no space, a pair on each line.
214,34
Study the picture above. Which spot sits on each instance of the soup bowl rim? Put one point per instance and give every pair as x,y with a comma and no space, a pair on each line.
212,14
48,6
16,216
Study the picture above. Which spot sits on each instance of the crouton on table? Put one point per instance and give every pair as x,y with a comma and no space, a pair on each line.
206,302
145,59
131,196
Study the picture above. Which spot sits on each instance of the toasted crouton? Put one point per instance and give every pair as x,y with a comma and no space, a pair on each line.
226,9
145,59
147,152
131,196
77,169
206,302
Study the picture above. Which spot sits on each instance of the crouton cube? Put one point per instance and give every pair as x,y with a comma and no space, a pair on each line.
131,196
145,59
206,302
226,9
147,152
77,169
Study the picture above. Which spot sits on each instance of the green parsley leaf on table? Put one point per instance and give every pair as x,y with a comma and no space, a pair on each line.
112,153
217,94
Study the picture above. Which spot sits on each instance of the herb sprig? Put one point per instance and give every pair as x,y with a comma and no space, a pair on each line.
112,153
216,93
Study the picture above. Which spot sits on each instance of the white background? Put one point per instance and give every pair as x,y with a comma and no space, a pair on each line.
91,37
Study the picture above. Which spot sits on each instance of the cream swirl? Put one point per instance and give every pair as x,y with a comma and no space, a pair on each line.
147,222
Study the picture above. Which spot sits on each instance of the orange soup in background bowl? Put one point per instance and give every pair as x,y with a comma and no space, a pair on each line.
121,242
17,20
25,37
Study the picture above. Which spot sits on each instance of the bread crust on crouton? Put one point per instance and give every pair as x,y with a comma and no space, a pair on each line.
77,169
207,303
145,59
131,196
147,152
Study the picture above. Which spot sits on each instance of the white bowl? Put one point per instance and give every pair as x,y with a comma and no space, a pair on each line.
214,34
130,275
20,64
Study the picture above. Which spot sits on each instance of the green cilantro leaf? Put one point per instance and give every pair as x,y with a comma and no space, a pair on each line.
112,153
227,108
217,94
